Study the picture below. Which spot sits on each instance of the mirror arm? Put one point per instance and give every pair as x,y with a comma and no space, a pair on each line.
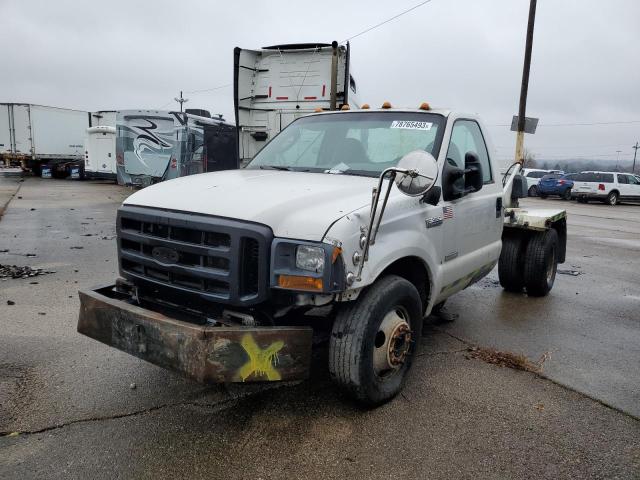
374,208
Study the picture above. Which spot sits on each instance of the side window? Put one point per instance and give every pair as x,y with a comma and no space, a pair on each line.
606,177
623,179
633,180
467,137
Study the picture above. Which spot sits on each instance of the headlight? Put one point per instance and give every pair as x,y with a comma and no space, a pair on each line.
310,258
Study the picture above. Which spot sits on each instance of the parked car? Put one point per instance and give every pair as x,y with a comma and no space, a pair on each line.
555,184
533,176
608,187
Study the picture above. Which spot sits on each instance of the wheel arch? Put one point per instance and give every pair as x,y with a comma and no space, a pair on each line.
415,270
560,226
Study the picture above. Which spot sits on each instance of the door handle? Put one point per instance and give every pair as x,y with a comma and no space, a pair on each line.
498,207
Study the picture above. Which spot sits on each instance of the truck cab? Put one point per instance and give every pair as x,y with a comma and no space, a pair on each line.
379,215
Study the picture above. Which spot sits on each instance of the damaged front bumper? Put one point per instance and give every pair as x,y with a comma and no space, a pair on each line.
205,353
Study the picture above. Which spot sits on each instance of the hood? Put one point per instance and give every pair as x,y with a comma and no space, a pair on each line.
296,205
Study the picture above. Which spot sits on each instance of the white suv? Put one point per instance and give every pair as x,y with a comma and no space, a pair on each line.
533,176
608,187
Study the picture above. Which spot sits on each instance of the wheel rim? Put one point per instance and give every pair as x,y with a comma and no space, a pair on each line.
551,267
613,199
392,342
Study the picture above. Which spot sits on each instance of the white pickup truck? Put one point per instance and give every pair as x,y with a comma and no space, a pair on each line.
361,222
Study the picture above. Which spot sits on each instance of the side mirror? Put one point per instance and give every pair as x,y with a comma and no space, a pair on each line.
418,173
473,181
456,182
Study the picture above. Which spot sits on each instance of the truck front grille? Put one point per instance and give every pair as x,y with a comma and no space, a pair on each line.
221,260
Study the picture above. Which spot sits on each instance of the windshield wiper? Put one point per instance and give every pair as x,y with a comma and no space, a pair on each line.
275,167
355,173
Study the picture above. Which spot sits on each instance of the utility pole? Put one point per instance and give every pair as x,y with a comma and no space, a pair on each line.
525,83
617,158
181,100
635,147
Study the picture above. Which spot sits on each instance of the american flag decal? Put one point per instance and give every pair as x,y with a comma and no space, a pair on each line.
447,212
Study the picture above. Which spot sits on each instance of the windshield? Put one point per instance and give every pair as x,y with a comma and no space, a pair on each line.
355,143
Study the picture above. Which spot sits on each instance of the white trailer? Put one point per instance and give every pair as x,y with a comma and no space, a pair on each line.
100,152
34,135
275,85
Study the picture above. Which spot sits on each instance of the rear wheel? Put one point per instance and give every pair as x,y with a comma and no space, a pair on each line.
567,194
511,263
541,262
612,198
373,340
533,191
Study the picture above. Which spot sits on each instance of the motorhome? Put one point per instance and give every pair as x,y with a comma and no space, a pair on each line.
154,145
275,85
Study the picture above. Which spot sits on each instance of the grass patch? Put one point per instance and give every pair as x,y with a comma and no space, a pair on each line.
507,359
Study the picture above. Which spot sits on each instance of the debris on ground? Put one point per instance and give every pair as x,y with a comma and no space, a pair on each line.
573,273
10,302
76,248
14,271
507,359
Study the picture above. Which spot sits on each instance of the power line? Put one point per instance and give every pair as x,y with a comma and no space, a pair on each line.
210,89
385,21
620,122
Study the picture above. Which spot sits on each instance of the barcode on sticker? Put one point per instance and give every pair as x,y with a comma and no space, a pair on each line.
412,125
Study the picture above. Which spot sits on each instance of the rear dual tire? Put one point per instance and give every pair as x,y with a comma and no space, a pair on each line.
529,262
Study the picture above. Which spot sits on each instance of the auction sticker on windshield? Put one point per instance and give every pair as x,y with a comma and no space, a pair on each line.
412,125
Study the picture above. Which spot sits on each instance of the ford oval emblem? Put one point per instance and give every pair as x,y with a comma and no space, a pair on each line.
165,255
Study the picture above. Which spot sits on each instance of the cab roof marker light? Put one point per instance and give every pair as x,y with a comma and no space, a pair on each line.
386,105
365,106
424,106
318,110
345,107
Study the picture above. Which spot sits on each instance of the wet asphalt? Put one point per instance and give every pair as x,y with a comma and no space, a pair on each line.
73,408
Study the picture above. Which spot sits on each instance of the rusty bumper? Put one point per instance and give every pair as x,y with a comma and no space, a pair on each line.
205,353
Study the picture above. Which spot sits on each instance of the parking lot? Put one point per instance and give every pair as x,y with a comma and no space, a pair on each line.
73,408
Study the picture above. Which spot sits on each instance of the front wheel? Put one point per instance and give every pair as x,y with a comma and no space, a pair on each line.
374,339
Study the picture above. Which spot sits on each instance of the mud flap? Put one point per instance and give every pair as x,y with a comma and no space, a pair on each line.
205,353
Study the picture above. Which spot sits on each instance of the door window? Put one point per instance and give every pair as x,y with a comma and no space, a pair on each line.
467,137
633,180
623,179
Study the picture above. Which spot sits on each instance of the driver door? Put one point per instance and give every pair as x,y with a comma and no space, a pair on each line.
472,224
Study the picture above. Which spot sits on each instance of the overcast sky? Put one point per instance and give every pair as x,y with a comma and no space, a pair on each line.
462,54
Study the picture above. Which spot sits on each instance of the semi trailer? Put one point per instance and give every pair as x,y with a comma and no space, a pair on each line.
35,135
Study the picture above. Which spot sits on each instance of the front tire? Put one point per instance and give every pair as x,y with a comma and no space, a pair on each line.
374,339
541,263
